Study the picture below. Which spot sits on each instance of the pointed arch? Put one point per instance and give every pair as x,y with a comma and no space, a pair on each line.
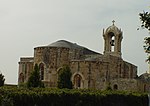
78,80
59,69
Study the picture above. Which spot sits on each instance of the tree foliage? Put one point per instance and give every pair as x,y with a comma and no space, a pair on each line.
64,78
145,19
147,48
34,79
2,80
145,23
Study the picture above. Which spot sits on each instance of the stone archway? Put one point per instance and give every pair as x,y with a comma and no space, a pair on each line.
78,80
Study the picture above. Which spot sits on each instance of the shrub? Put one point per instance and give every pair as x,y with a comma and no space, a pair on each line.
73,97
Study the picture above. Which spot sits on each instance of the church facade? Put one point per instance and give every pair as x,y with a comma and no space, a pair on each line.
89,69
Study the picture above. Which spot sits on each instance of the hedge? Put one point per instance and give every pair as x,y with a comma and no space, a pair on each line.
11,96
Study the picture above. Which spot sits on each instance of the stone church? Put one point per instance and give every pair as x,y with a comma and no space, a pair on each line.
89,68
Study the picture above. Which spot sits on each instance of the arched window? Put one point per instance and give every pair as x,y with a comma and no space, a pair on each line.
21,77
59,69
41,68
112,41
77,81
115,87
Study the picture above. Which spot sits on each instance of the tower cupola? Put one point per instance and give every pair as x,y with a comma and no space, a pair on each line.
112,40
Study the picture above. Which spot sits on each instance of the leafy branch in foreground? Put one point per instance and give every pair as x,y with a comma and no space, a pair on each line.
145,23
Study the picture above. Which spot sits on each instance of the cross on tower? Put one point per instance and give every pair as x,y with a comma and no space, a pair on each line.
113,22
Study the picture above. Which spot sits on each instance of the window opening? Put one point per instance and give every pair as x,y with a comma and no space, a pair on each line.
112,41
41,68
115,87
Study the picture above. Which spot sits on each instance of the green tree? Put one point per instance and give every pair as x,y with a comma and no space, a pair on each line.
147,48
2,80
145,23
34,79
64,78
145,19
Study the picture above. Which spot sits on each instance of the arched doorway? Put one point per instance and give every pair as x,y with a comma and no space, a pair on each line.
77,81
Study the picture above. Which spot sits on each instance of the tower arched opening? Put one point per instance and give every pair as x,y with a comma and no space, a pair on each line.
112,41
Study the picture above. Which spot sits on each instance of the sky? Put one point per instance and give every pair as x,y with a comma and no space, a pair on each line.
26,24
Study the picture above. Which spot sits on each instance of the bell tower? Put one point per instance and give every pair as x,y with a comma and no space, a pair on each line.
112,40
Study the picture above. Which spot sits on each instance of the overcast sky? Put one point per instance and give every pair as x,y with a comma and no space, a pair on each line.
25,24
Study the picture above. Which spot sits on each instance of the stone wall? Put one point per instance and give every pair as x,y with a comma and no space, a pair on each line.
95,73
25,69
144,85
125,84
53,58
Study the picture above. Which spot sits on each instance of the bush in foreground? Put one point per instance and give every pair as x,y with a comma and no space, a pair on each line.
67,97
